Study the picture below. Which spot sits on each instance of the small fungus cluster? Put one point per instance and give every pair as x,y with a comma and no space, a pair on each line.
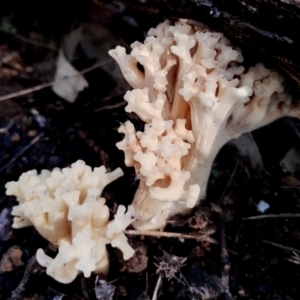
66,208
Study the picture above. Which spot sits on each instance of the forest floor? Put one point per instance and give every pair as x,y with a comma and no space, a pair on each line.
238,250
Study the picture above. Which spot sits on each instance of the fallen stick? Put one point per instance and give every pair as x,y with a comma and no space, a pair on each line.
282,246
272,216
160,234
48,84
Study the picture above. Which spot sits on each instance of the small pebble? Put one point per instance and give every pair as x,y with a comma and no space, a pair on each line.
262,206
15,137
32,133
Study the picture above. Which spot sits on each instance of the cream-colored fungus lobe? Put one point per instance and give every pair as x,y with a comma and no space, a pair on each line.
66,208
194,94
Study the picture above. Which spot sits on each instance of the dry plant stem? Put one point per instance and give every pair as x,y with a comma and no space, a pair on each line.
295,259
160,234
157,287
112,106
48,84
282,246
273,216
26,91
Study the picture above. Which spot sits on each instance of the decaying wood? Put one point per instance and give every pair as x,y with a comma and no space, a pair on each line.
267,30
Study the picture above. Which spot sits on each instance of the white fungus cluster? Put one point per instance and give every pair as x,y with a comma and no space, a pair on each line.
193,93
66,208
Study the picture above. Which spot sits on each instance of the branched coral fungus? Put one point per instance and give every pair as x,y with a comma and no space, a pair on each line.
191,89
66,208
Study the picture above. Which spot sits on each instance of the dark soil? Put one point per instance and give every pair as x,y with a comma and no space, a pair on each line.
260,258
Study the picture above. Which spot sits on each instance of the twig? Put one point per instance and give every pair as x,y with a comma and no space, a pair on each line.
112,106
225,263
294,258
26,91
48,84
159,234
98,65
157,287
270,216
27,40
282,246
32,142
